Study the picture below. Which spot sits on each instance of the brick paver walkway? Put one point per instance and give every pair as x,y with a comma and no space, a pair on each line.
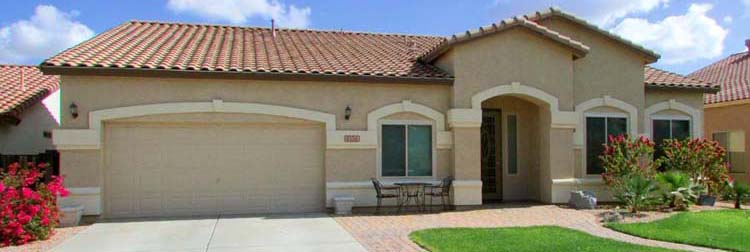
389,233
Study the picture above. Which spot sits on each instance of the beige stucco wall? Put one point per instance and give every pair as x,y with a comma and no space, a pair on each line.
727,119
96,93
28,136
610,68
516,55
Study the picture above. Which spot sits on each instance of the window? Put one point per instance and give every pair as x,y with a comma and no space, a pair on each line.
512,145
598,130
734,143
667,128
406,150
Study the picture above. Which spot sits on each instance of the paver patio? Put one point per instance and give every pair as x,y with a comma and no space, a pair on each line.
389,233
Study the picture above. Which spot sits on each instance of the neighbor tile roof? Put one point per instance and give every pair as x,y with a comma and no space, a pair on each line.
16,95
579,48
219,48
663,79
732,73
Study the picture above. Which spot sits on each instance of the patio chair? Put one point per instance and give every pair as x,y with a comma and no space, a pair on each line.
380,195
442,190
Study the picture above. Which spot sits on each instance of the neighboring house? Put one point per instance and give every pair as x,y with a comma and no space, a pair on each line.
727,111
29,108
182,119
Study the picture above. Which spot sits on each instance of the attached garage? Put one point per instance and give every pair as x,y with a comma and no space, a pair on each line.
205,166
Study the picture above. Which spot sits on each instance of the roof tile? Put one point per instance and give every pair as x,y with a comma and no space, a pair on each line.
663,79
732,73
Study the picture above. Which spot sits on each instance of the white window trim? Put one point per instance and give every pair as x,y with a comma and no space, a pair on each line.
506,153
585,134
695,115
380,149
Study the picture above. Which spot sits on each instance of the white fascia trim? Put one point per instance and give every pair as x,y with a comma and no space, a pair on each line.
75,139
405,106
465,118
696,116
560,119
91,138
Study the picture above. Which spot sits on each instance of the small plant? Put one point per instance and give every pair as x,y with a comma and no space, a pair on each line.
637,192
677,189
739,192
28,209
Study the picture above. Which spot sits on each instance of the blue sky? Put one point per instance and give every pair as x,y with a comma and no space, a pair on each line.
688,33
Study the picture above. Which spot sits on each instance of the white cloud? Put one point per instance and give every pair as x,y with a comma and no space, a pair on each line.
728,19
239,11
45,34
679,39
603,13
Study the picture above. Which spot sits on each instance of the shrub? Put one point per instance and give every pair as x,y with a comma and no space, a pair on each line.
677,190
702,159
739,192
624,156
28,209
636,191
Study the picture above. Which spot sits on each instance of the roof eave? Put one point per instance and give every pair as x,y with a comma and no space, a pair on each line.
279,76
579,50
707,90
650,55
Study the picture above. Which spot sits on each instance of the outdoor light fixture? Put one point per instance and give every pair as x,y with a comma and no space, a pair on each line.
347,112
73,110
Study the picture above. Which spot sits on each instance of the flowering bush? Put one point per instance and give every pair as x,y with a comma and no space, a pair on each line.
702,159
627,156
28,209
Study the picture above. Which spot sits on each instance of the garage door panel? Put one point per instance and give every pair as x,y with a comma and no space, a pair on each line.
173,169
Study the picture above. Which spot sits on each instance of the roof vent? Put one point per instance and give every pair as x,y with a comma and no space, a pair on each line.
273,28
747,45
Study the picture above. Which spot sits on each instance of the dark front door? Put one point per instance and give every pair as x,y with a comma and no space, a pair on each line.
492,189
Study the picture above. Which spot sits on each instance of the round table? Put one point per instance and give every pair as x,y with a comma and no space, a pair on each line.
412,190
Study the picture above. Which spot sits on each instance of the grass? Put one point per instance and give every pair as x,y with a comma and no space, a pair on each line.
725,229
519,239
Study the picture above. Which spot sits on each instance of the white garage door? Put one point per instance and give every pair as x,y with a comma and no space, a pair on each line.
178,170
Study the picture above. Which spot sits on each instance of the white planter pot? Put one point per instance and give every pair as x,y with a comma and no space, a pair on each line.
70,216
343,205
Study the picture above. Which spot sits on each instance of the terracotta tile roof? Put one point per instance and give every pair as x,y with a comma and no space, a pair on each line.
555,12
219,48
579,48
16,95
732,73
664,79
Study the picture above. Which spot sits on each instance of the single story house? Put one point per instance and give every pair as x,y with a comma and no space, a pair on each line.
726,111
190,119
29,110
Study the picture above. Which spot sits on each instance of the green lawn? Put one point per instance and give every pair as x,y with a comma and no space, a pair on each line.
725,229
518,239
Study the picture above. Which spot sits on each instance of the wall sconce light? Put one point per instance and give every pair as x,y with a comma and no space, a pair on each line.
347,112
73,110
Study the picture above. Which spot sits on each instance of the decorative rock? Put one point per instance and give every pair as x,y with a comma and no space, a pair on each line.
613,216
582,200
343,205
70,216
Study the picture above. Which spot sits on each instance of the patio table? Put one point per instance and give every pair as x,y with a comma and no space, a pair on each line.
412,191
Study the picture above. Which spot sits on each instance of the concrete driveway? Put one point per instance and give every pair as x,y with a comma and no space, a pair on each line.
308,232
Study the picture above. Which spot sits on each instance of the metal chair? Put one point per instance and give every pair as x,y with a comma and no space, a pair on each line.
443,191
380,195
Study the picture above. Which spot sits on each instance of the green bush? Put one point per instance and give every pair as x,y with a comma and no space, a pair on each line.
739,192
677,190
701,159
637,192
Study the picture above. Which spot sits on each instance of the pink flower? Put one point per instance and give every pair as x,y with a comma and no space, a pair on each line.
2,187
